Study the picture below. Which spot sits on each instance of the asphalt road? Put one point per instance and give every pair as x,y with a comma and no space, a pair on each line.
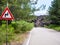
43,36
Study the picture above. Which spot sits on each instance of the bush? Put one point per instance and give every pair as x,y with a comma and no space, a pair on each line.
3,32
14,25
13,28
55,27
22,26
26,26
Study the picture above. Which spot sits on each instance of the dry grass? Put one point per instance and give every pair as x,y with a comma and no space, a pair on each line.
20,38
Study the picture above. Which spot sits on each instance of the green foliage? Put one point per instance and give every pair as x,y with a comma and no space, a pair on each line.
55,27
22,26
14,25
10,33
54,12
13,28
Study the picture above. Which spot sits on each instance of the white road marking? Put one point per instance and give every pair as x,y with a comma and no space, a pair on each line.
28,39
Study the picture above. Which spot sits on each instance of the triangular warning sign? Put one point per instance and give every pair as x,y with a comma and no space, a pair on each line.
7,15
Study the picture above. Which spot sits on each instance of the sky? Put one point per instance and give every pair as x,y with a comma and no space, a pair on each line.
45,11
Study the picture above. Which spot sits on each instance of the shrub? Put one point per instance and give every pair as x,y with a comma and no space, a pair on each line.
3,32
23,26
14,25
55,27
13,28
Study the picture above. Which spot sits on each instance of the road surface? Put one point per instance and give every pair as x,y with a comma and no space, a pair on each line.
43,36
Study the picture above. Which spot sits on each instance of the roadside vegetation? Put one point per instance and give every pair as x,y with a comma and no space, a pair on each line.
14,28
55,27
54,15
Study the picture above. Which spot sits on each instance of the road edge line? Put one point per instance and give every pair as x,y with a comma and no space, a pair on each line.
28,39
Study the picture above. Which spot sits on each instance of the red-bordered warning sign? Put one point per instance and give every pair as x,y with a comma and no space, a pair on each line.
7,15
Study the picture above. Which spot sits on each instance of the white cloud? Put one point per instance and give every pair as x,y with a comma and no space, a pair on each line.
38,13
43,12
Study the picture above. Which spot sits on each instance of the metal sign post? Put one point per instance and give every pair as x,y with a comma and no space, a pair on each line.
7,33
7,29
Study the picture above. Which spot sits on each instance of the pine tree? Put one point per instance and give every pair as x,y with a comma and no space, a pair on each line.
54,12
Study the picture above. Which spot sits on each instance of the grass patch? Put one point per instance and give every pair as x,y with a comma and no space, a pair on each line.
55,27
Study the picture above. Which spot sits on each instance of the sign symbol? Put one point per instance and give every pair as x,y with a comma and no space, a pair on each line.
6,14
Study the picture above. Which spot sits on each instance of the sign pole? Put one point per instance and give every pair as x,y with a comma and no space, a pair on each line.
7,29
7,33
